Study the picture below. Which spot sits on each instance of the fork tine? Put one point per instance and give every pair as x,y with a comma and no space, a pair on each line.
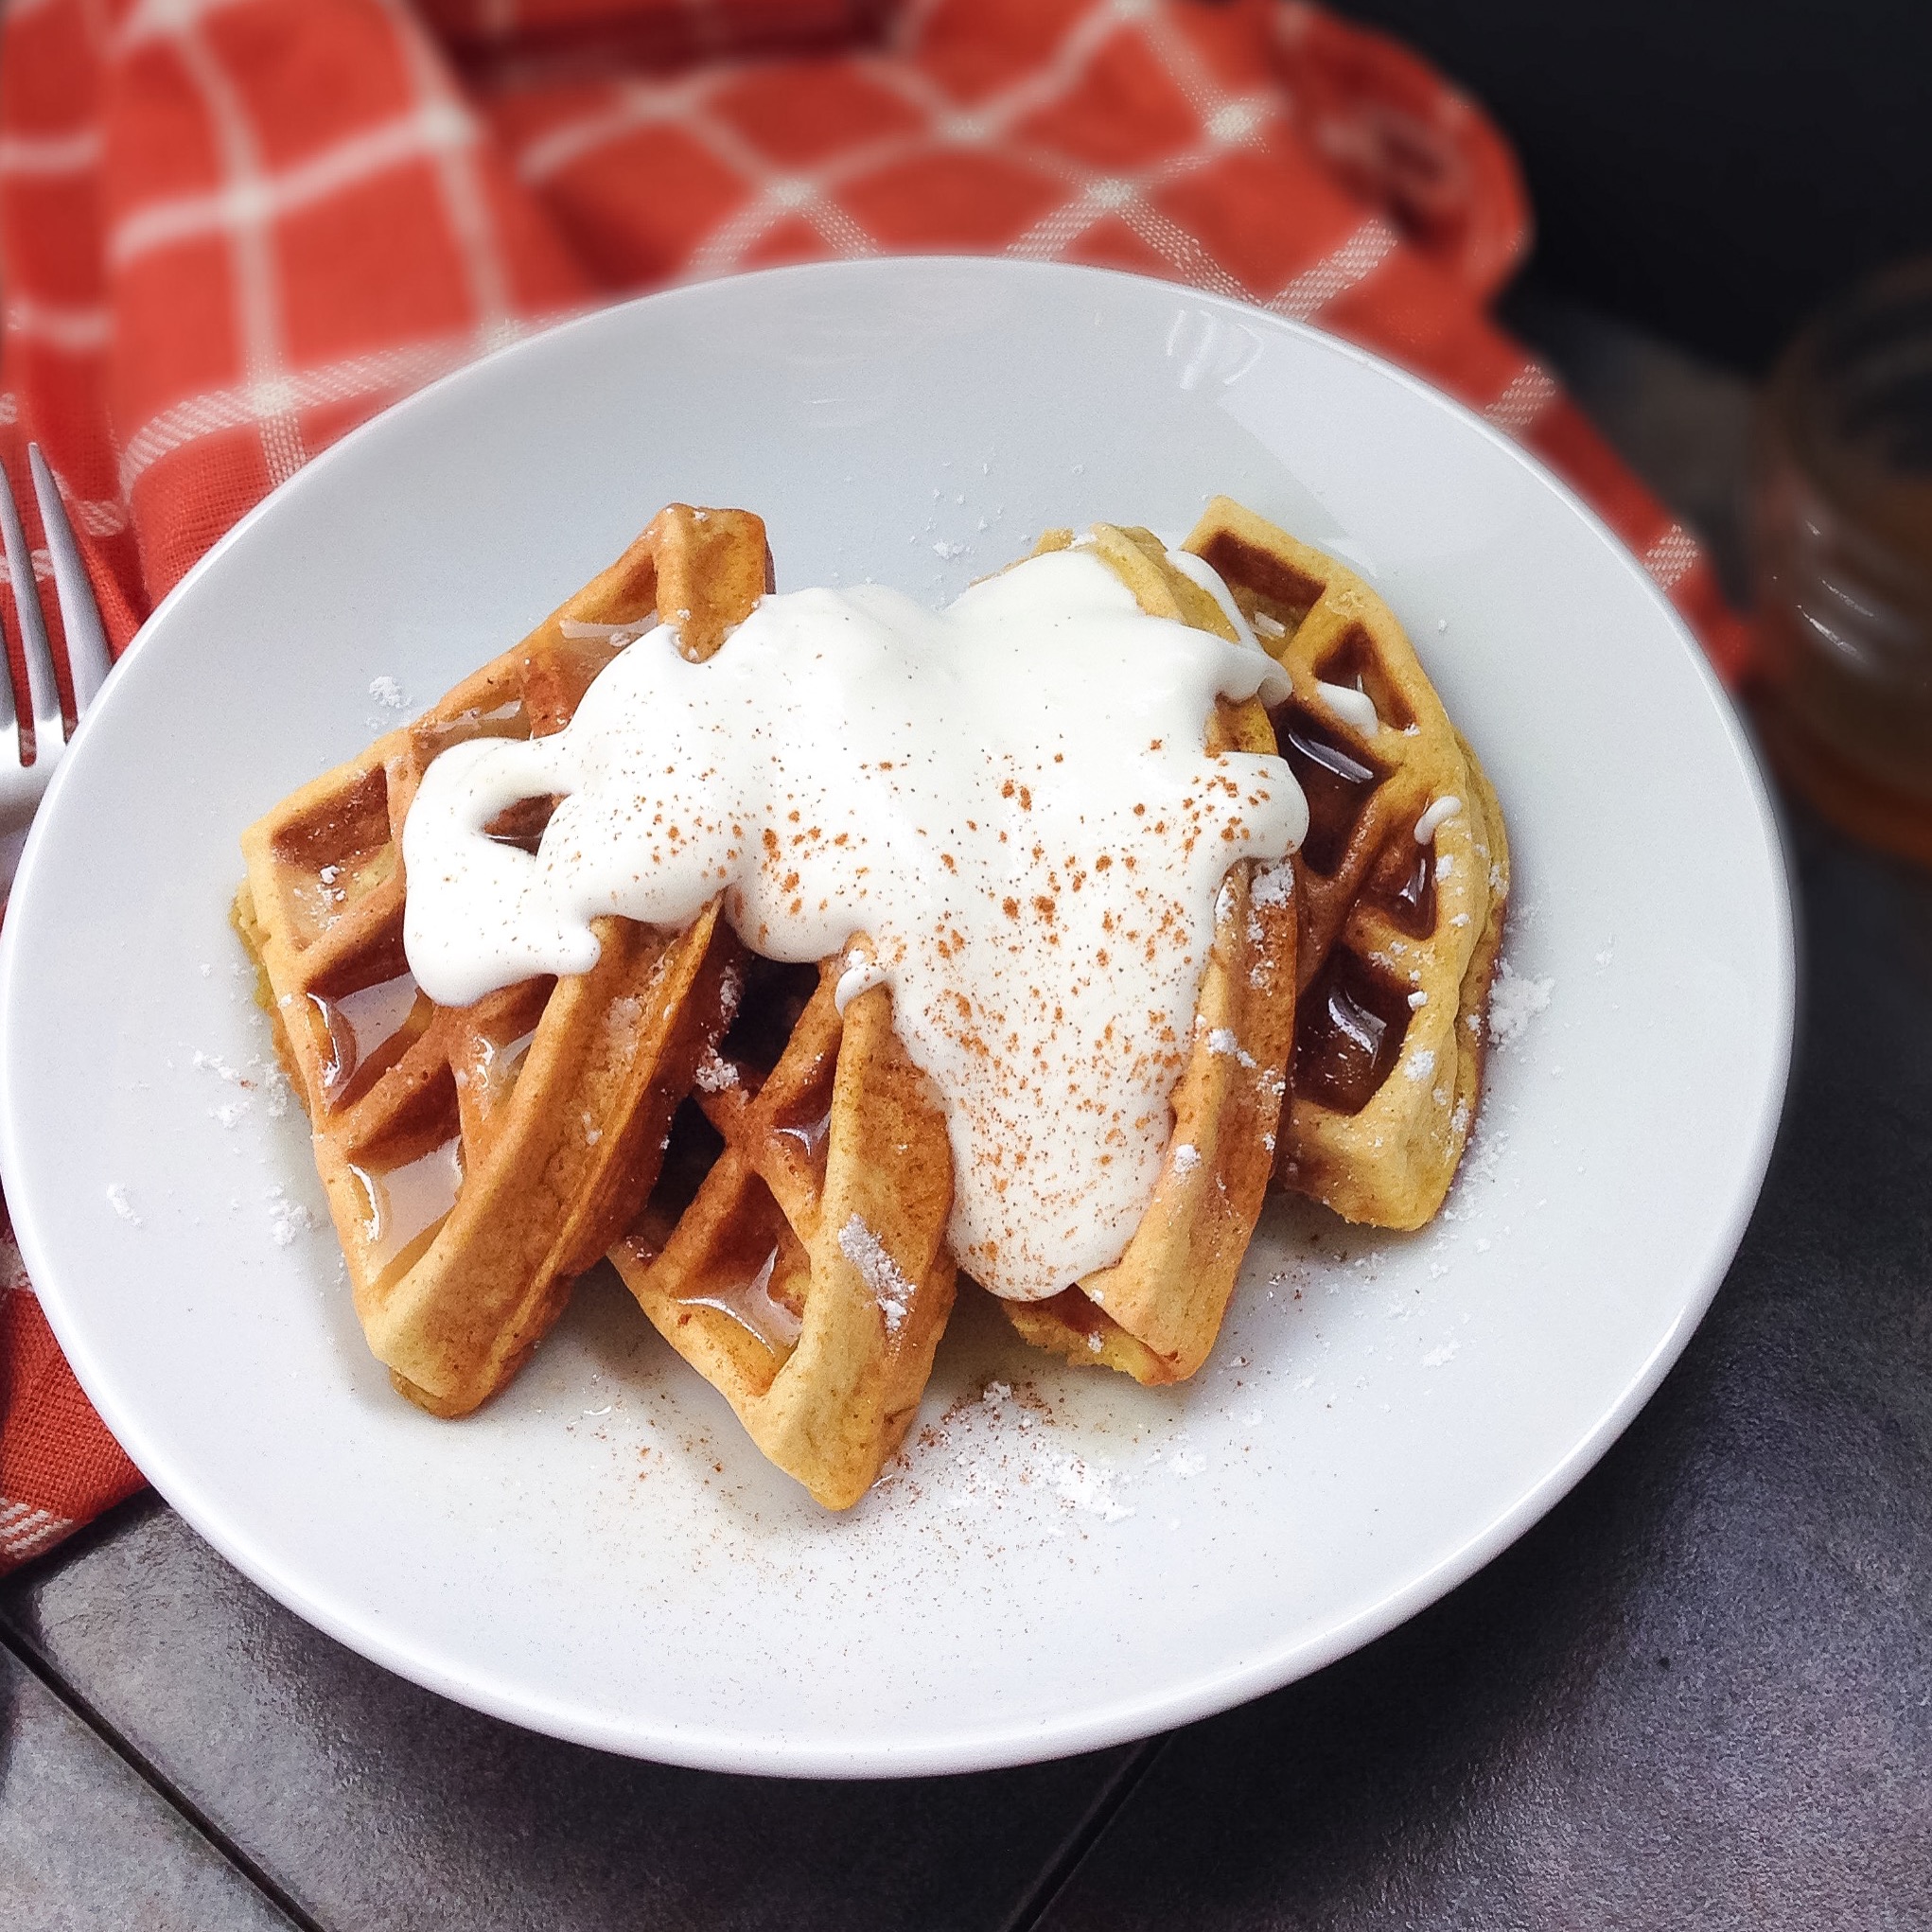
88,662
15,544
43,695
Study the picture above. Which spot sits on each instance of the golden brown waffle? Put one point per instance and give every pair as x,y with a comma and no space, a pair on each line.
794,1252
478,1158
773,1178
1154,1314
1398,935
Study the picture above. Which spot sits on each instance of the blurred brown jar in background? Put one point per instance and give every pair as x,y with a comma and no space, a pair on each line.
1841,518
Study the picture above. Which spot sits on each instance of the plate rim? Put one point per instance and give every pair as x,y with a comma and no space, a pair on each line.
1007,1740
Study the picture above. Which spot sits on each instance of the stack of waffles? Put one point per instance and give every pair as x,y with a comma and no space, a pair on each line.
771,1175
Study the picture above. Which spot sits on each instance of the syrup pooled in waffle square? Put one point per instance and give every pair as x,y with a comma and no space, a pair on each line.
478,1158
1402,881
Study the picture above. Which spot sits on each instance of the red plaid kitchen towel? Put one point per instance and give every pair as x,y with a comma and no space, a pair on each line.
232,229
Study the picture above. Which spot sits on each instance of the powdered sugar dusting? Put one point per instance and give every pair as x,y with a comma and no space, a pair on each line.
288,1219
1513,1002
1222,1041
1273,886
1005,1456
878,1270
263,1081
714,1073
1078,1482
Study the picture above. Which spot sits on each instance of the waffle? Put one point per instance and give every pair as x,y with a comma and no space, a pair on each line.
771,1174
478,1158
794,1252
1155,1313
1398,934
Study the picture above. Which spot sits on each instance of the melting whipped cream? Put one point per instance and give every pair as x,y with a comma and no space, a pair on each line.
1011,799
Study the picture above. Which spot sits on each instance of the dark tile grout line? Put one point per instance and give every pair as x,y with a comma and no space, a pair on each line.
1025,1917
30,1659
1106,1807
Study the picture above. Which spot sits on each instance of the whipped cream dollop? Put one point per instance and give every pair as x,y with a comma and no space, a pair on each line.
1011,799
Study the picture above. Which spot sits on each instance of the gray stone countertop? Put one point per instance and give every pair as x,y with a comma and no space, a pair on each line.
1698,1694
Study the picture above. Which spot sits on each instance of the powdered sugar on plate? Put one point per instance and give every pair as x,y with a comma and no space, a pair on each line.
1005,1453
1515,1000
1078,1482
288,1219
261,1079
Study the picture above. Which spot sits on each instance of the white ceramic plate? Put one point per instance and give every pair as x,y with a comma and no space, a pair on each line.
600,1552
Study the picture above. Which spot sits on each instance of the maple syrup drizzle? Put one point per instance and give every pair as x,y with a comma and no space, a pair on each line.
1403,886
411,1200
757,1305
1336,782
810,1132
360,1025
1348,1034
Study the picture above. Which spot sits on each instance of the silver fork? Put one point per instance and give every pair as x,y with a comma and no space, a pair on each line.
22,783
